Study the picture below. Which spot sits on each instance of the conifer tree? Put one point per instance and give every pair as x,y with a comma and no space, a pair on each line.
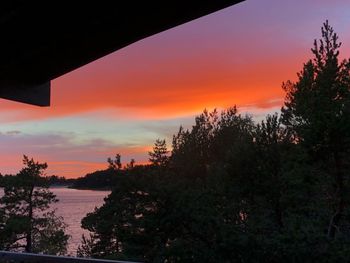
27,221
317,115
159,156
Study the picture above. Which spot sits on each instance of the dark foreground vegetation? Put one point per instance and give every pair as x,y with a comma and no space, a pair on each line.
26,221
232,190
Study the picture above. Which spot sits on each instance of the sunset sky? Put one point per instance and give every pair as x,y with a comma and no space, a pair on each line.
123,102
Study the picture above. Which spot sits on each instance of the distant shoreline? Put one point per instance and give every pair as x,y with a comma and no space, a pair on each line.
92,189
75,188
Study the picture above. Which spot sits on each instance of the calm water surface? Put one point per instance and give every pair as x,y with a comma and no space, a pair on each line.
73,205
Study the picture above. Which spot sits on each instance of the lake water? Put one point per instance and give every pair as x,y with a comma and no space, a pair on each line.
73,205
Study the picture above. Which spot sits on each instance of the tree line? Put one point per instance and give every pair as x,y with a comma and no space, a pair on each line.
232,190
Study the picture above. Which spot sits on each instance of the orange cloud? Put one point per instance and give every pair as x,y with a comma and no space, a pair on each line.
166,95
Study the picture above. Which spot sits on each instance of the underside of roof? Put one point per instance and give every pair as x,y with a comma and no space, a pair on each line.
42,40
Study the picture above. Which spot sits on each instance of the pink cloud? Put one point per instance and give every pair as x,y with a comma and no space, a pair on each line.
64,156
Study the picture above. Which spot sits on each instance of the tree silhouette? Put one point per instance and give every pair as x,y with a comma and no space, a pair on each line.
26,218
116,163
159,156
317,114
232,190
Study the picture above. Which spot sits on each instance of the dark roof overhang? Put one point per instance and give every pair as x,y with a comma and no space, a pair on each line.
42,40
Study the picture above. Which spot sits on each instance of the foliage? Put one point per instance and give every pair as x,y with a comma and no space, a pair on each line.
232,190
55,180
27,222
105,179
317,113
158,157
99,180
115,164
